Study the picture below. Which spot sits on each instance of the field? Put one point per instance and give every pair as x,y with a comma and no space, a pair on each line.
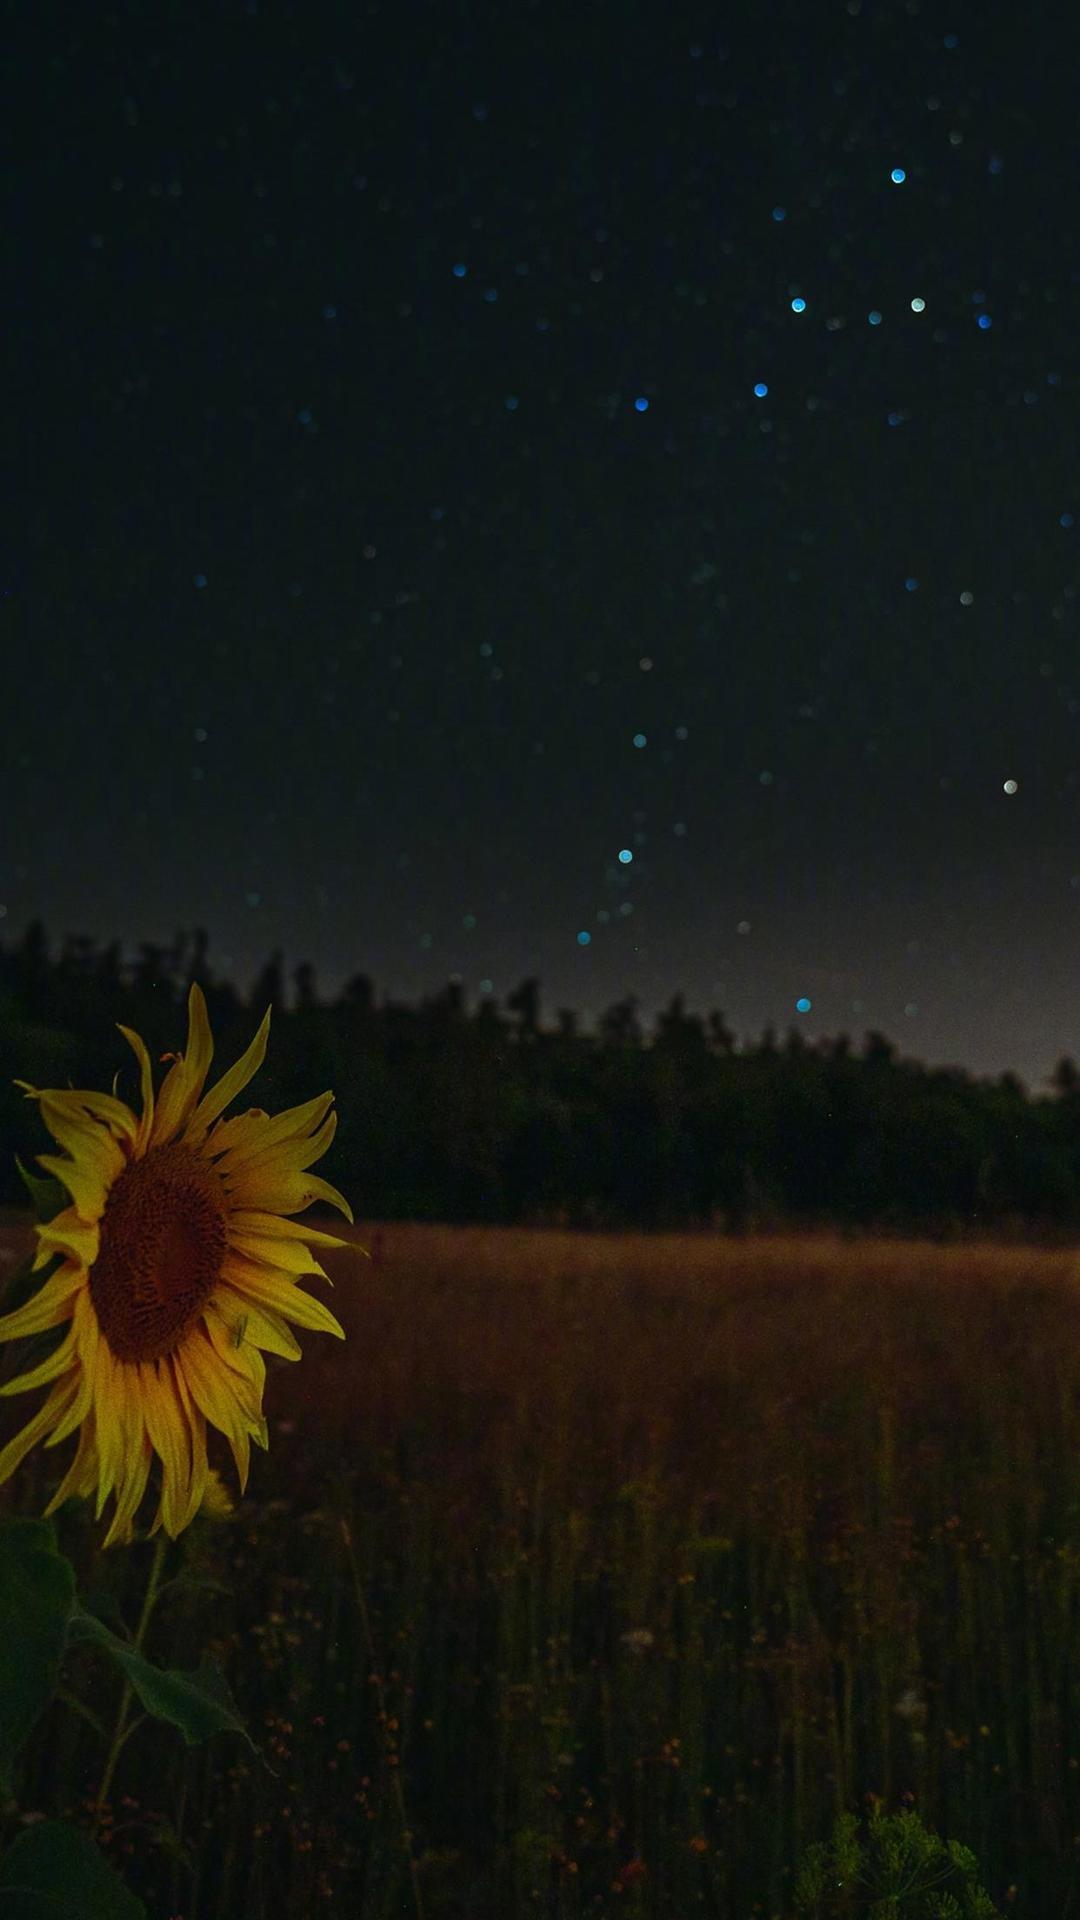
592,1575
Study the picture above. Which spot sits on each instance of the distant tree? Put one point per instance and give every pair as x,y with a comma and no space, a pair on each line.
525,1002
567,1018
1065,1078
29,972
877,1051
620,1026
197,966
109,973
268,987
679,1032
304,982
721,1038
359,993
448,1004
152,969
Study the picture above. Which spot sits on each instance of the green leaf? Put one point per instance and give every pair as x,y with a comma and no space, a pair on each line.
55,1872
47,1197
37,1593
198,1703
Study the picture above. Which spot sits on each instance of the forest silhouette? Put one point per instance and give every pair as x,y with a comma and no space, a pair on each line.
490,1114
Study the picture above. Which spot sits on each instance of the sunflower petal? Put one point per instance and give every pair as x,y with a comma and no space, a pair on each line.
116,1114
290,1255
170,1437
85,1182
289,1156
282,1296
252,1220
58,1362
109,1414
80,1134
87,1336
260,1324
50,1305
138,1455
217,1393
228,1086
66,1234
183,1083
81,1476
241,1356
146,1121
253,1137
45,1417
287,1189
200,1469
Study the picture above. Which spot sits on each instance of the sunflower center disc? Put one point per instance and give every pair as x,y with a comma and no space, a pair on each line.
162,1242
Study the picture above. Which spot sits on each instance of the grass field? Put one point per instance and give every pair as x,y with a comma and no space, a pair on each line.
592,1575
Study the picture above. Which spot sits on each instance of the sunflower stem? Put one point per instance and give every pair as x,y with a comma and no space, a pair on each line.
121,1730
391,1757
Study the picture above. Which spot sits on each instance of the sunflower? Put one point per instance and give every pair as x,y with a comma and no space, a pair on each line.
178,1271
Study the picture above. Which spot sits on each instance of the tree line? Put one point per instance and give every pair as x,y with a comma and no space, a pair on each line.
490,1114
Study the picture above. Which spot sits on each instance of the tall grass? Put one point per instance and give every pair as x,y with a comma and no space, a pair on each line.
595,1575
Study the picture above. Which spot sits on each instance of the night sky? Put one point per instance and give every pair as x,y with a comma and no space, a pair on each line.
587,491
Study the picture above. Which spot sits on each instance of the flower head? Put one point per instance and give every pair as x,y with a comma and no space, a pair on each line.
178,1271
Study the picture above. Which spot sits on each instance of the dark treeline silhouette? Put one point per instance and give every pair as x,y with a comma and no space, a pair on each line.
484,1115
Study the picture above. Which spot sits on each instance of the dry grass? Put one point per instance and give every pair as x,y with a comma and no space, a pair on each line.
671,1546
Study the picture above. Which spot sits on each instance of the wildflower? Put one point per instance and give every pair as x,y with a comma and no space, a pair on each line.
638,1639
178,1271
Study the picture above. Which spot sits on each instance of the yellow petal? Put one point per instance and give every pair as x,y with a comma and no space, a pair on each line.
241,1356
281,1295
116,1114
183,1083
253,1137
260,1324
216,1392
146,1121
248,1220
289,1156
81,1476
290,1255
87,1336
139,1454
285,1189
58,1362
228,1086
79,1134
65,1233
51,1304
84,1181
170,1437
45,1417
109,1413
200,1469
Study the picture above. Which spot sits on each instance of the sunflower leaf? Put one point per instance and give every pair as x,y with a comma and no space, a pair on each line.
198,1704
37,1593
53,1871
47,1197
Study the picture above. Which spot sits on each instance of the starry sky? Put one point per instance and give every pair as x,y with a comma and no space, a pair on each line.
586,491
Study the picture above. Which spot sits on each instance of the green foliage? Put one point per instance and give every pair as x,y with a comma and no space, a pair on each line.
896,1869
55,1872
47,1197
198,1704
40,1618
37,1591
